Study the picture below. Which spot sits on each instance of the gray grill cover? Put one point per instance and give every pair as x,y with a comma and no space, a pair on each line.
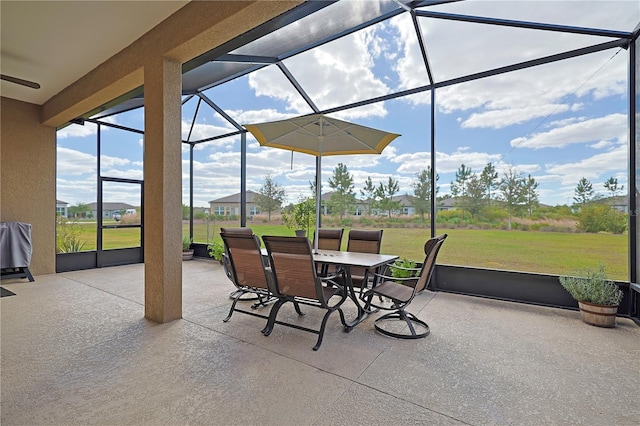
15,245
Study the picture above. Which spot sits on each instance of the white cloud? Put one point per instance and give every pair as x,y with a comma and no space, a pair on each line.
202,131
445,163
259,116
601,145
77,131
600,164
84,130
607,128
108,161
124,174
497,119
456,49
334,74
75,163
73,191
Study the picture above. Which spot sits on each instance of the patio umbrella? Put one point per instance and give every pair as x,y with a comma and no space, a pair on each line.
319,135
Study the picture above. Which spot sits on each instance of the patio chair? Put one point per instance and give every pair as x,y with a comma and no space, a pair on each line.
363,241
295,280
247,271
401,291
242,231
225,260
328,239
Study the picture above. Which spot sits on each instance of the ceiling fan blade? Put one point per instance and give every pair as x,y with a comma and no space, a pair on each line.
20,81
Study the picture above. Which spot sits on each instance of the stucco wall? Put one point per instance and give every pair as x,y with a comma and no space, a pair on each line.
28,178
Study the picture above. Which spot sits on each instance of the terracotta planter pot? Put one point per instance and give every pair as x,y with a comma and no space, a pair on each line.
598,315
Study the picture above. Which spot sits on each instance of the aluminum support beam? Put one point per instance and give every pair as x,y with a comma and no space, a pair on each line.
525,24
297,86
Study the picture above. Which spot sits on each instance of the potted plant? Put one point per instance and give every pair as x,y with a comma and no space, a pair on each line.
302,217
187,251
598,297
216,250
404,268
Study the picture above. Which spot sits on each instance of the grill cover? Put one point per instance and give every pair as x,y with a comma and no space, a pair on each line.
15,245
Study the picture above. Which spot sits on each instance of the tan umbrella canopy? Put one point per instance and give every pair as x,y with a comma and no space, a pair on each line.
319,135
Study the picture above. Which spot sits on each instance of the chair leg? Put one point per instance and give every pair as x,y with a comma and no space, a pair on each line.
239,292
296,305
323,325
272,317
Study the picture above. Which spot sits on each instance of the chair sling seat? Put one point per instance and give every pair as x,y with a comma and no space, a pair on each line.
295,280
402,291
248,272
363,241
227,266
328,239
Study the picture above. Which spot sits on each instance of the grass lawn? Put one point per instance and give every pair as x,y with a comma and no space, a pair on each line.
553,253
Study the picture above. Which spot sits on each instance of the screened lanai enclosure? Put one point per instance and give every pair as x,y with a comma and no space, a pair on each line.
547,92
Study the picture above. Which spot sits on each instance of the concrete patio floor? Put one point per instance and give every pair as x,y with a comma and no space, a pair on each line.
76,350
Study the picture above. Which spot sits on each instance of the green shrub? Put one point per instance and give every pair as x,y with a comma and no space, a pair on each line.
216,250
616,222
601,217
402,268
495,214
67,240
365,221
346,222
592,286
592,218
186,243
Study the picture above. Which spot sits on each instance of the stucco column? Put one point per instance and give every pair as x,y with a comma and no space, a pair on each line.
162,191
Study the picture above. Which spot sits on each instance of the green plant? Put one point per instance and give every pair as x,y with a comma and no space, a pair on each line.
216,250
403,268
67,236
592,286
302,216
186,243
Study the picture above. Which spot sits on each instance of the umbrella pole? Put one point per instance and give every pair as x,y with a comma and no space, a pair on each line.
318,187
318,200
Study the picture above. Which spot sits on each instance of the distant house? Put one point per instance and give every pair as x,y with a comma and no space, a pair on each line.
325,198
62,209
324,202
108,209
619,203
406,201
230,205
448,203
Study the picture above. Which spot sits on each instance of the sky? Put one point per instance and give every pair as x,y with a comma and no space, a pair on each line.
557,122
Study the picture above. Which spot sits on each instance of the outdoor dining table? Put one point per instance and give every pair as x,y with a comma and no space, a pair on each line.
347,259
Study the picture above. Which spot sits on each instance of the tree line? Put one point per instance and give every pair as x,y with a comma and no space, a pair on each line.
476,193
595,215
472,192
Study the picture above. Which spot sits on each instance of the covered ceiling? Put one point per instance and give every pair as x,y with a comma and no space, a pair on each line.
54,43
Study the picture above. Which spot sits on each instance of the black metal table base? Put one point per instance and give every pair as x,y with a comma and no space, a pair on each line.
8,273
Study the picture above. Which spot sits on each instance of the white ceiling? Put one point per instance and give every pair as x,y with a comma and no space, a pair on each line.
54,43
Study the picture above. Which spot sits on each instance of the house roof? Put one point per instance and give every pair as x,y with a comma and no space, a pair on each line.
404,199
111,206
235,198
